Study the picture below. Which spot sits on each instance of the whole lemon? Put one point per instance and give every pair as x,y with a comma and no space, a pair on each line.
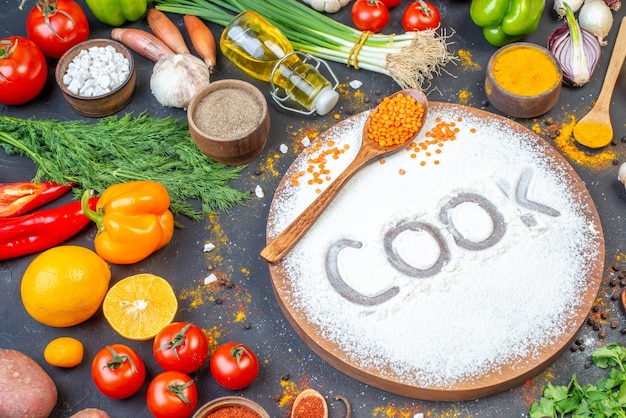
64,352
65,285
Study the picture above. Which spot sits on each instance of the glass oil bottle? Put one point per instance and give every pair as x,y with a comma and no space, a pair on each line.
263,52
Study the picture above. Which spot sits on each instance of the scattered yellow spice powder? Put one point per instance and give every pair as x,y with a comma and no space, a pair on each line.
567,145
466,60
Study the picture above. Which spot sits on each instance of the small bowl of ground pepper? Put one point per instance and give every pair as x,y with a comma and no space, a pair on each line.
523,80
229,121
231,407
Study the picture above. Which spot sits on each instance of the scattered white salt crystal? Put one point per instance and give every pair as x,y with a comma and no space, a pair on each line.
259,192
283,148
355,84
305,141
208,247
210,279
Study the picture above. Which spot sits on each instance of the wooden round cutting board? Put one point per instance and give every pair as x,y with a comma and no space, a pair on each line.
501,378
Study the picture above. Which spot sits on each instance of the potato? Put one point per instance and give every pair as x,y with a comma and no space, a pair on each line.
26,390
91,413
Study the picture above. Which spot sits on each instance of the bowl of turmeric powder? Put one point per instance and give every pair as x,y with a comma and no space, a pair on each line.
523,80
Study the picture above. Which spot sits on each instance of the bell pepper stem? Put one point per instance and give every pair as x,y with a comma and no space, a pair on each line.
93,215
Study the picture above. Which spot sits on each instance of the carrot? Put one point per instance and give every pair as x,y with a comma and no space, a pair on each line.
166,31
142,42
202,39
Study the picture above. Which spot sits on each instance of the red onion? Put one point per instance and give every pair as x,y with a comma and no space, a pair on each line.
577,50
614,4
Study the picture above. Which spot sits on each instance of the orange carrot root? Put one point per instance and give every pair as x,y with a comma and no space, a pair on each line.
202,39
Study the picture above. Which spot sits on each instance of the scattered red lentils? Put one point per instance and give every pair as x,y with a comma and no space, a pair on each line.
439,134
316,170
396,121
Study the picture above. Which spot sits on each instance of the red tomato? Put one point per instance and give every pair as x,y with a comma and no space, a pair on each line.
370,15
391,3
172,394
181,346
234,366
56,26
118,371
421,15
23,70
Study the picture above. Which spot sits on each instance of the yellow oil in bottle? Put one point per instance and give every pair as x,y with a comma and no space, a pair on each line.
254,45
263,52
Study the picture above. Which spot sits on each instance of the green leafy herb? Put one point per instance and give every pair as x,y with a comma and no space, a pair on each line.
114,150
607,398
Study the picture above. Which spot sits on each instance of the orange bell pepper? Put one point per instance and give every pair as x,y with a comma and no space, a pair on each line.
133,221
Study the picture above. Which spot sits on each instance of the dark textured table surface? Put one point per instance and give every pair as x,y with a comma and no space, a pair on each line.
249,312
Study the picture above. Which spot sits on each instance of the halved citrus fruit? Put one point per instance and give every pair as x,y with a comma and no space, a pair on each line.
139,306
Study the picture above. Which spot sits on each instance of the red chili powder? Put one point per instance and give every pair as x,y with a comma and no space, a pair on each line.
309,407
234,411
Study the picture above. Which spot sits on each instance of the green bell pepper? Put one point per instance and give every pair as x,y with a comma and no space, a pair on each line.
116,12
506,21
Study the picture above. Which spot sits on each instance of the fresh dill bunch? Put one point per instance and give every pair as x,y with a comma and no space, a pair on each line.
119,149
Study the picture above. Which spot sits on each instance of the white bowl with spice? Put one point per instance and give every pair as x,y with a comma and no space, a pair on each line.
229,121
523,80
97,77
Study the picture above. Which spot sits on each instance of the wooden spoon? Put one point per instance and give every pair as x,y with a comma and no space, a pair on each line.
598,119
305,394
369,151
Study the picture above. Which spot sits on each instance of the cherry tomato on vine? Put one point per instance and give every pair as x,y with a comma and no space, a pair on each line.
172,394
56,26
234,365
118,371
421,15
370,15
181,346
391,3
23,70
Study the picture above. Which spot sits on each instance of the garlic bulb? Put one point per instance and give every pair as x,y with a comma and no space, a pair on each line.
327,6
596,17
621,174
177,78
559,8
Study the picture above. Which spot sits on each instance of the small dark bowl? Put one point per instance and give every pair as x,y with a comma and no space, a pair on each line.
241,148
227,401
516,105
103,105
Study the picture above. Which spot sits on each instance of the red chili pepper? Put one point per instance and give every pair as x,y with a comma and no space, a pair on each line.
41,230
20,198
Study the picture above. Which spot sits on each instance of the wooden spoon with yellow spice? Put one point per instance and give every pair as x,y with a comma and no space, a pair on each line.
594,130
376,142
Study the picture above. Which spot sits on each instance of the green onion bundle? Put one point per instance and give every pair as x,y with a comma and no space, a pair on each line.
410,58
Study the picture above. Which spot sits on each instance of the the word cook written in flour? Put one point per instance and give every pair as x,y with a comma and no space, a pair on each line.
520,197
